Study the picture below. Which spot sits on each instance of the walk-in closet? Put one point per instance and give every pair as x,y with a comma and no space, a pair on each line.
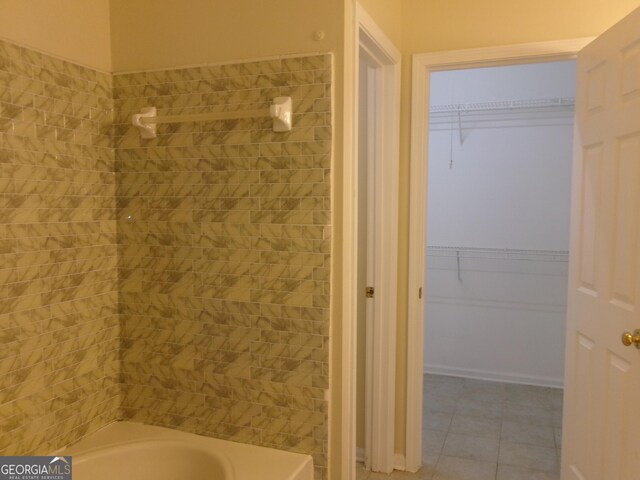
500,143
499,168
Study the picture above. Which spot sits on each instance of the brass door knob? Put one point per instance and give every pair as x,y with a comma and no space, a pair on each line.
629,339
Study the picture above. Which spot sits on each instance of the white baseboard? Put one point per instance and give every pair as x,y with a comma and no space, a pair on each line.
399,461
495,376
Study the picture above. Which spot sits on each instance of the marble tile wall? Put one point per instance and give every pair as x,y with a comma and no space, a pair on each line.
224,242
59,327
181,281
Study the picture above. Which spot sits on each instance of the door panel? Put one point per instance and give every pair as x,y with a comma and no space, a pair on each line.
601,439
626,210
596,88
589,228
617,382
630,70
584,351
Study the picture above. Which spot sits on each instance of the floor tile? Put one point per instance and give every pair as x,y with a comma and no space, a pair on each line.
447,388
529,399
440,403
425,473
556,417
493,397
452,468
479,430
378,476
472,384
541,435
480,389
528,389
557,433
430,460
527,414
475,448
556,398
528,456
508,472
476,426
361,473
430,379
433,441
436,421
478,408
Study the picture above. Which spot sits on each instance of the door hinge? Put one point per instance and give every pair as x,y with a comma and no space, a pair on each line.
420,293
369,292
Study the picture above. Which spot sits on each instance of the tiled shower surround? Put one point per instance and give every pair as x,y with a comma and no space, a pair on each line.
58,278
223,244
223,237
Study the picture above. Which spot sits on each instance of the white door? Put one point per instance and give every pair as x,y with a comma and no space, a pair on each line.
601,434
379,329
377,193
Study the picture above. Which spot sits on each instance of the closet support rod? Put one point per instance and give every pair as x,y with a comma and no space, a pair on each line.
279,111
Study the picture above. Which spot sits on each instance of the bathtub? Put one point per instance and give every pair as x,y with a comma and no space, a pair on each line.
132,451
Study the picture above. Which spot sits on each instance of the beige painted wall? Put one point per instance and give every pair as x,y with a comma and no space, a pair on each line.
439,25
388,15
435,25
76,30
148,34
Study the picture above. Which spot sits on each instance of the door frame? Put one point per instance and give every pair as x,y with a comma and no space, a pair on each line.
370,37
423,65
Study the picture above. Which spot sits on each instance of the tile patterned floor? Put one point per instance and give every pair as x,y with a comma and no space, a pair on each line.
478,430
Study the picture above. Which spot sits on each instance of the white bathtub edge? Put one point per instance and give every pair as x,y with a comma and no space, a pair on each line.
278,464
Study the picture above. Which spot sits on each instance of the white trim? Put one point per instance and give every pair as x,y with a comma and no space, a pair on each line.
501,55
370,124
385,59
376,39
493,376
423,65
400,462
344,448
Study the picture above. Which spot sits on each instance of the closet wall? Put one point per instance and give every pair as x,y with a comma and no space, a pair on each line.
498,222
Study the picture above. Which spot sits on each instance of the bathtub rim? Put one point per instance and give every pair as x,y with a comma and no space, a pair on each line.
123,446
279,464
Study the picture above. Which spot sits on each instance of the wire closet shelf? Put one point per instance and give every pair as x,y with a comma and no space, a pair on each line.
497,253
537,103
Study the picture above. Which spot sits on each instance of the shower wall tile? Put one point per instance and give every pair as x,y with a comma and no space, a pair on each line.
59,324
223,254
183,281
